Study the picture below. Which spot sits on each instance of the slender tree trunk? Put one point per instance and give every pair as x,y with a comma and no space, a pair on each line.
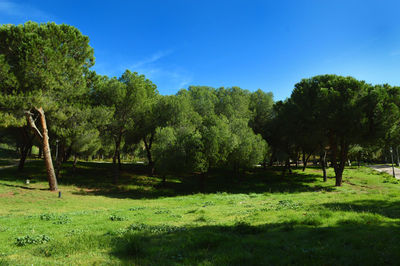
74,164
60,154
40,153
305,160
287,167
67,154
397,156
25,147
119,161
116,170
323,165
44,137
115,158
24,154
47,153
271,161
148,145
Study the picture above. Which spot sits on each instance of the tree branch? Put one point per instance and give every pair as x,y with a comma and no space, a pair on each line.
31,123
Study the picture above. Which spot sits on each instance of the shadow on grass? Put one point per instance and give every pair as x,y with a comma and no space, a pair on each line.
23,187
8,153
96,179
390,209
269,244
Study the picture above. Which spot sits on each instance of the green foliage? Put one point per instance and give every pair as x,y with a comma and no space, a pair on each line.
155,229
214,133
31,240
57,219
42,65
115,217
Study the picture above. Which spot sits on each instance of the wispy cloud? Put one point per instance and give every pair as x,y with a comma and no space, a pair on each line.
168,78
20,10
151,59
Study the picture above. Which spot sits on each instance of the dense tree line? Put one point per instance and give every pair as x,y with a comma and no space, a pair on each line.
51,98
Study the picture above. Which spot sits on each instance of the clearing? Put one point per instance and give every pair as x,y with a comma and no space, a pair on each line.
263,218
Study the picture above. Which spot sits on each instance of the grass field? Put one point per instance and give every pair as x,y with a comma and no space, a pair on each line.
258,220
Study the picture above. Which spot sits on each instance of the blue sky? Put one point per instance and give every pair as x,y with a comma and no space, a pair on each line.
269,45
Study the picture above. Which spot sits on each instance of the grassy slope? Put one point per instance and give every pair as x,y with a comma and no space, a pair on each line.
263,219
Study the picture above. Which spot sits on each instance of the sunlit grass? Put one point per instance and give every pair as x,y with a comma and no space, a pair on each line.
263,218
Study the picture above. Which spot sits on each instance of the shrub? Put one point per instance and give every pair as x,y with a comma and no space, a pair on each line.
58,219
115,217
28,240
163,228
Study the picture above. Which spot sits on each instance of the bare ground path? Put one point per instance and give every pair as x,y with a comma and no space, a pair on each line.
387,169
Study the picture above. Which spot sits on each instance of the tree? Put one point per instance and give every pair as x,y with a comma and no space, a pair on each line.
41,63
261,106
130,97
342,111
157,111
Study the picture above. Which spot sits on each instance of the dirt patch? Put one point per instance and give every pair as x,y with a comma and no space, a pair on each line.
7,195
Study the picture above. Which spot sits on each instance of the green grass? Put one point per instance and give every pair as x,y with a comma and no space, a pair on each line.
257,220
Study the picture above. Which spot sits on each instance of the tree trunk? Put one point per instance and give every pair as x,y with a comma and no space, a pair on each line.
51,176
74,164
24,154
287,167
116,170
40,153
116,157
323,165
119,161
288,164
338,177
44,137
25,147
338,167
60,154
148,145
271,161
305,160
67,154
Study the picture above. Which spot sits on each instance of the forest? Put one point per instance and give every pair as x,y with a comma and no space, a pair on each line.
50,99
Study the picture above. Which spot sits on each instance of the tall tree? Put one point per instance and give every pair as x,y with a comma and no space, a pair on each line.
130,96
343,112
43,63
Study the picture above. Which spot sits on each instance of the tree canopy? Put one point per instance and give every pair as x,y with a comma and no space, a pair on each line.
45,77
